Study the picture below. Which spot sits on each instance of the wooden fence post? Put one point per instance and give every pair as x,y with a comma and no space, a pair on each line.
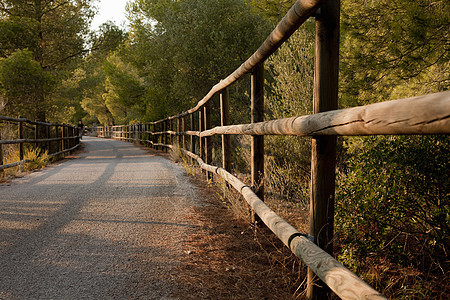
137,129
192,138
165,137
49,143
63,128
173,137
1,156
183,129
20,137
178,132
155,138
157,128
160,135
257,141
207,140
71,134
151,130
58,145
201,127
144,134
36,134
323,152
225,120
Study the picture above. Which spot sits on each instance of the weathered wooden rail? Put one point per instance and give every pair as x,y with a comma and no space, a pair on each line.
427,114
56,138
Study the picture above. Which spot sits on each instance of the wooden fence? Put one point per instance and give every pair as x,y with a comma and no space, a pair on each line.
192,130
56,139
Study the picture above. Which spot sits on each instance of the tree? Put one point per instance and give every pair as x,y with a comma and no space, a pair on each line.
94,85
391,201
389,44
124,91
183,48
274,10
54,32
20,78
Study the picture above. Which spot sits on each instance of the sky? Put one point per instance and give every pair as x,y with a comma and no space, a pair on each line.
113,10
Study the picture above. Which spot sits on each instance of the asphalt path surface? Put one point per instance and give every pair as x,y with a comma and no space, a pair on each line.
106,225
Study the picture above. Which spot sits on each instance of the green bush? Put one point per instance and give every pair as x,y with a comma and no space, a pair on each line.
287,167
393,200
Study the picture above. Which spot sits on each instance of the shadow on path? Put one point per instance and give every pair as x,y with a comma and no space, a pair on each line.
98,227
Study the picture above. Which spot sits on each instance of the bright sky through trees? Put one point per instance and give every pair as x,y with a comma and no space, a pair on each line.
110,10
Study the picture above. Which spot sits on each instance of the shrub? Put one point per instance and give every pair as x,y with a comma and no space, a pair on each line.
393,201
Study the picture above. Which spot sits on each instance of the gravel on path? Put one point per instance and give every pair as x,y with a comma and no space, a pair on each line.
107,225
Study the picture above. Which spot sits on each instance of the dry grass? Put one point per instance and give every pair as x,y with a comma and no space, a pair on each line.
175,153
228,259
38,160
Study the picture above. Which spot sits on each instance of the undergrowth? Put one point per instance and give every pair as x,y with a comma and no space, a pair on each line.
392,210
35,157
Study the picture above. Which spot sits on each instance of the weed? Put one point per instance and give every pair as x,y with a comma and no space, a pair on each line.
189,167
233,200
175,153
37,158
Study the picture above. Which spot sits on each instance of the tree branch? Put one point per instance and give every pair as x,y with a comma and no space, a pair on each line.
54,8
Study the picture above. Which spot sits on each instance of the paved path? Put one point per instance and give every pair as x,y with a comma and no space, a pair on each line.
107,225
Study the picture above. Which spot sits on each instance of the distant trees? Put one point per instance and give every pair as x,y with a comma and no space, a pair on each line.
94,85
176,51
41,42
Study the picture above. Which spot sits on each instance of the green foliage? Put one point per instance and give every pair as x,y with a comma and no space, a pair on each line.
393,199
124,91
290,91
274,10
97,97
386,44
55,33
17,32
183,48
22,81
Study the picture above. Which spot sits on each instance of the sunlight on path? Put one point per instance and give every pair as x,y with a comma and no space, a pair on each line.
106,225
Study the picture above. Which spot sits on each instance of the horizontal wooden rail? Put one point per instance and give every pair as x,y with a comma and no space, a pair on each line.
428,114
341,280
31,141
3,167
9,119
64,151
67,138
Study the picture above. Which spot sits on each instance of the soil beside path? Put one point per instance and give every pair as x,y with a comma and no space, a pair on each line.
107,225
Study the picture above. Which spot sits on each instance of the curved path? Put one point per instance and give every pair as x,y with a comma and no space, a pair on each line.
108,225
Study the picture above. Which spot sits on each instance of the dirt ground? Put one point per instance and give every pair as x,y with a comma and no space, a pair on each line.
228,259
